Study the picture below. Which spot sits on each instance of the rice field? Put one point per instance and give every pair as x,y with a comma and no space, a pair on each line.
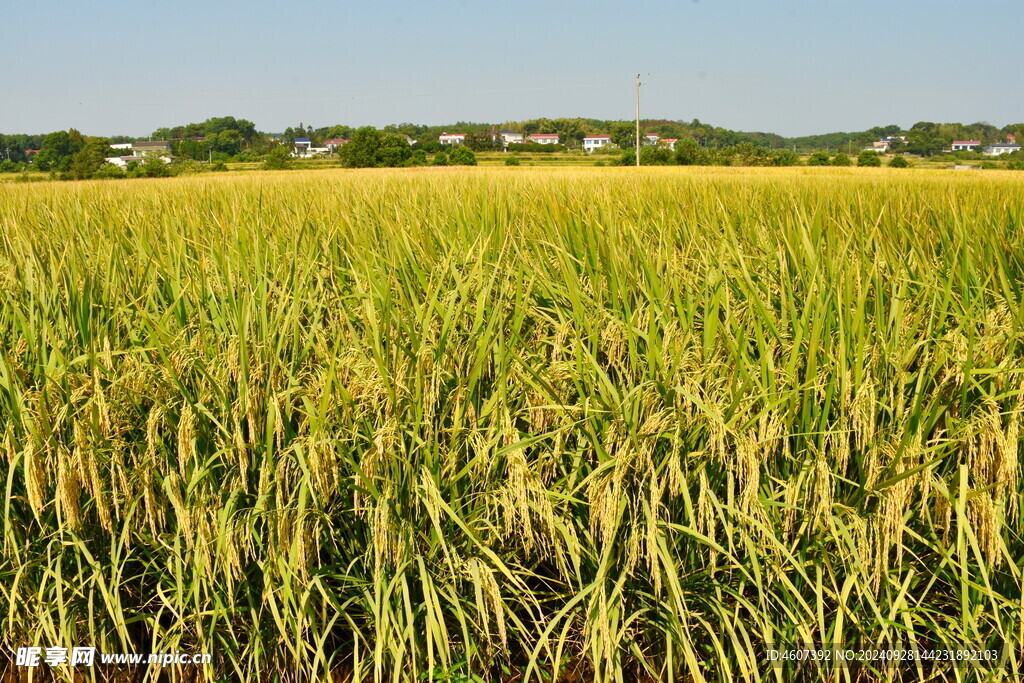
515,424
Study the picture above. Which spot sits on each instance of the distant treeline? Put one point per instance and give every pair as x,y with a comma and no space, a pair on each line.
73,155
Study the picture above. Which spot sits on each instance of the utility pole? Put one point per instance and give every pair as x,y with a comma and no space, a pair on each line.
638,120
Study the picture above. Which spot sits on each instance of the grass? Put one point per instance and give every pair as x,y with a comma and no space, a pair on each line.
522,424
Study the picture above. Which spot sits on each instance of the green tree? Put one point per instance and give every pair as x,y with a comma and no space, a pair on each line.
841,160
899,161
89,158
869,158
462,156
58,149
689,153
655,156
818,159
480,141
784,157
279,159
154,166
371,148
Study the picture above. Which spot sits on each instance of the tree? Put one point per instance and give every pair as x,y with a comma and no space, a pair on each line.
481,141
689,153
655,156
370,148
899,161
869,158
462,156
818,159
841,160
89,158
58,149
784,157
279,159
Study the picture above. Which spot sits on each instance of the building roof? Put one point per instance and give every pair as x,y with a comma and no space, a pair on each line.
452,135
150,144
670,139
966,142
1005,144
335,141
544,135
302,140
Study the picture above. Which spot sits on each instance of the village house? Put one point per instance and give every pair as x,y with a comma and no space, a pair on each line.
652,138
510,137
964,145
334,143
1000,148
544,138
301,147
123,161
592,142
451,138
669,142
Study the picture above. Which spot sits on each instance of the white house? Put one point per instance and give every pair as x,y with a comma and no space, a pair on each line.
334,143
652,138
964,145
122,162
544,138
510,137
592,142
669,142
302,146
122,145
1000,148
451,138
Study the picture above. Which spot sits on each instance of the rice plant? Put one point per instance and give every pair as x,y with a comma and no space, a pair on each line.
495,425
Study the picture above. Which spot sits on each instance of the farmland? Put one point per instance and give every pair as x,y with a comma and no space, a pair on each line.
515,424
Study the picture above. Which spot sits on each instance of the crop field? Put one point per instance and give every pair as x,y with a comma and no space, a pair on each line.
515,424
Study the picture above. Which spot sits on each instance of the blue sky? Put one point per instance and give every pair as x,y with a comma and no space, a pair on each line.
793,67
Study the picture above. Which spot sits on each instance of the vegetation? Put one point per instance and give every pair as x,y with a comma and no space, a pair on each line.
869,158
462,156
515,425
279,159
370,148
899,161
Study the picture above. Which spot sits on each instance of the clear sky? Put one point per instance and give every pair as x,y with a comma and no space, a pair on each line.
792,67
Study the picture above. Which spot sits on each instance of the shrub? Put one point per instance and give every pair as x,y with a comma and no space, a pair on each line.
689,153
279,159
512,161
109,171
655,156
869,158
462,156
818,159
899,161
841,160
218,166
